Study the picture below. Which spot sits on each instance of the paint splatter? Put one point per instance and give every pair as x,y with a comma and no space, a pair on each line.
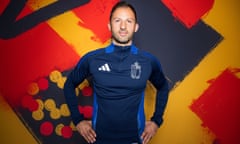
96,12
189,12
219,107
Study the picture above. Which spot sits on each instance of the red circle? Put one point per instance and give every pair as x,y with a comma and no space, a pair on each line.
33,105
26,100
43,84
66,132
46,128
87,91
87,111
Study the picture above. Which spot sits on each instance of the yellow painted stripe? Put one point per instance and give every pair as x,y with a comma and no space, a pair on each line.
13,131
67,27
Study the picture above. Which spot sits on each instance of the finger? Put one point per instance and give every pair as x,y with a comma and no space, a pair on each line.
146,139
84,133
90,139
92,132
89,135
146,136
143,135
92,136
86,138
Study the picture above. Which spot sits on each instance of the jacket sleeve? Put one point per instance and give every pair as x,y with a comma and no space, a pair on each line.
159,81
77,75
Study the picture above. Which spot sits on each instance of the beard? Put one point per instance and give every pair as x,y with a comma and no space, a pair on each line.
121,40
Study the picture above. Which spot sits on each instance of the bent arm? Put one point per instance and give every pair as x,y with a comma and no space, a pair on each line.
160,82
77,75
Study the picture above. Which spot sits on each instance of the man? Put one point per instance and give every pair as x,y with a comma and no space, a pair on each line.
120,73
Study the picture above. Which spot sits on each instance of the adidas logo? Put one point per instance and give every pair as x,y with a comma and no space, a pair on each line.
104,67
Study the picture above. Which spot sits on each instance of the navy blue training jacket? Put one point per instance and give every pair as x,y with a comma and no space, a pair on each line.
120,75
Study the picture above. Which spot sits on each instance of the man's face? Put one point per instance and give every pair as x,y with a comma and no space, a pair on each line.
123,25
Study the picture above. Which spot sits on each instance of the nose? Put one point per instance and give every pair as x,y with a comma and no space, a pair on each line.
123,25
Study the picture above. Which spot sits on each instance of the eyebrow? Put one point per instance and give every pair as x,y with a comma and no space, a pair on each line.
133,19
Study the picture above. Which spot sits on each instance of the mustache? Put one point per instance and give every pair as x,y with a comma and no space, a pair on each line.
123,31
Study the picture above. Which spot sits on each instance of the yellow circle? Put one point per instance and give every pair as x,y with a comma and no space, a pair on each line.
83,84
77,92
38,115
60,82
40,104
73,126
59,128
64,79
55,76
50,104
55,113
64,110
33,88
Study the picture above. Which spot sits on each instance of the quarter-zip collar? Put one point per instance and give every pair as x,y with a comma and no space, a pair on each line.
111,48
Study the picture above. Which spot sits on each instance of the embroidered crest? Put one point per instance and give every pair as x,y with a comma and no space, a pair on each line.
135,71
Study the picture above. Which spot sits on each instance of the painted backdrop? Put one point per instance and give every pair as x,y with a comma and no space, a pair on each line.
42,40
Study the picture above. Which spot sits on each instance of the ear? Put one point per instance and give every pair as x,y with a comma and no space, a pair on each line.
136,27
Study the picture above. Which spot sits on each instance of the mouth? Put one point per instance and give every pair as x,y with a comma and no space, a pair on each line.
123,33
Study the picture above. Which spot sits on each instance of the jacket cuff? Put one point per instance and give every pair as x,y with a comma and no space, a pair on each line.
158,122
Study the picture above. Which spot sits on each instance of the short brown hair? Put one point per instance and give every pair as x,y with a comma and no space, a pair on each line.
123,4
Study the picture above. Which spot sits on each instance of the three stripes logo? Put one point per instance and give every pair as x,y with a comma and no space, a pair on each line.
104,67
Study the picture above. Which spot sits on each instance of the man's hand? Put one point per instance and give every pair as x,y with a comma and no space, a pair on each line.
149,131
85,129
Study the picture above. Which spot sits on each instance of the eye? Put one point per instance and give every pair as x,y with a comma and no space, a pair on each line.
130,21
117,20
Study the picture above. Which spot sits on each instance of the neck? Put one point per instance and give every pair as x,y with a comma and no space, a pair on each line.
122,44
